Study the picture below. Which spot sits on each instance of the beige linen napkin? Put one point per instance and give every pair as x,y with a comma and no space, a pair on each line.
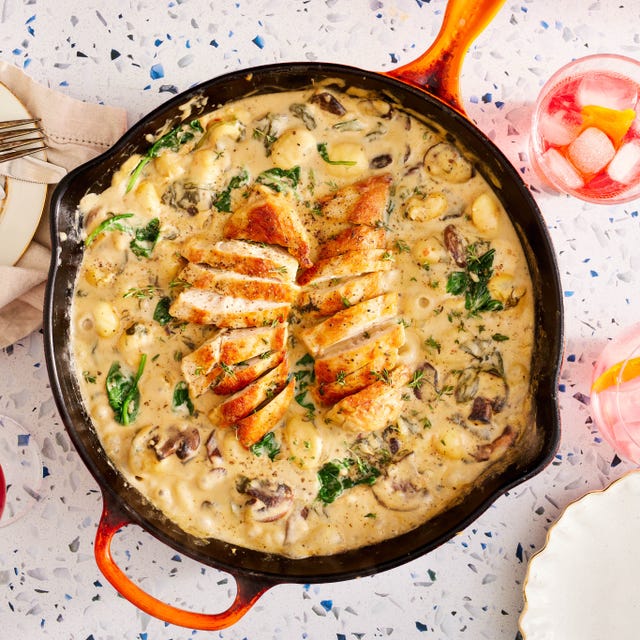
76,132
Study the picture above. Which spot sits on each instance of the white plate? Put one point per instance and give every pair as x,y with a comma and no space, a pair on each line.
21,209
583,584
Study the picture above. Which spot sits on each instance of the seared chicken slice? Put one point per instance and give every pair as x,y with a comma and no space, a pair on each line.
271,218
253,428
206,307
350,263
230,379
345,385
196,365
243,257
352,239
241,344
238,285
243,402
374,407
202,367
331,296
360,352
364,202
349,322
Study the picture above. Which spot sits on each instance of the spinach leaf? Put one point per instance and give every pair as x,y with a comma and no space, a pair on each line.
474,280
145,239
113,222
303,378
324,154
181,397
222,201
161,313
123,392
280,179
172,140
268,445
339,475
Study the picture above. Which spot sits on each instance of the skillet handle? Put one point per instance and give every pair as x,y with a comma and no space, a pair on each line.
248,590
438,69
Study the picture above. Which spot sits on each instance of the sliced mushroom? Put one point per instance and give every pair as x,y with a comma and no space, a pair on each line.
481,410
497,447
328,102
268,501
213,452
184,443
455,245
399,489
443,160
297,526
381,161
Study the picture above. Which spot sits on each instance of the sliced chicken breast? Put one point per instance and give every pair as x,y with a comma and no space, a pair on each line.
349,322
206,307
374,407
230,379
346,384
363,351
243,402
243,257
364,202
330,296
271,218
254,427
354,238
241,344
196,365
350,263
238,285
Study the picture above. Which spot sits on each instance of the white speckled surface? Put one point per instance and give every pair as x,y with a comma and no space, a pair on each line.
136,55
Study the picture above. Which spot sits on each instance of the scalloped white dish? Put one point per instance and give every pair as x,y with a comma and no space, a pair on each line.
21,208
583,584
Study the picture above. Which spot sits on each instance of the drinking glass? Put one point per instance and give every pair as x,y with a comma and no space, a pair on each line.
585,130
21,471
615,394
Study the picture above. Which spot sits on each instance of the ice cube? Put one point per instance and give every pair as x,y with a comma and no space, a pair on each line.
591,151
604,90
559,128
556,164
625,165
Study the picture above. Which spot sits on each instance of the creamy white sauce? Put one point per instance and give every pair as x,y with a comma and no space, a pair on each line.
116,291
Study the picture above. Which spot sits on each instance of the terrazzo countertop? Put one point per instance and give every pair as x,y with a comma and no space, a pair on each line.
137,55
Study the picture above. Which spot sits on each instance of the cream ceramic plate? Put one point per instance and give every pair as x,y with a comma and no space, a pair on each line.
583,585
21,208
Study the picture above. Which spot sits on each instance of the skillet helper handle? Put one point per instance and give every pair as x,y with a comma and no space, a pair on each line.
438,69
248,590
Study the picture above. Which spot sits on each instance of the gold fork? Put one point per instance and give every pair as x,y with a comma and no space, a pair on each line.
20,138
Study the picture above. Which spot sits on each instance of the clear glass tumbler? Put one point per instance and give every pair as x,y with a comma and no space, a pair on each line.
585,130
615,394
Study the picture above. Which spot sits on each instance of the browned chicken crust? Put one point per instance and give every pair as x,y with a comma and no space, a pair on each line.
271,218
254,427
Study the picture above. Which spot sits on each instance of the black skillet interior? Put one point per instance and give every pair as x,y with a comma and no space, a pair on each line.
96,175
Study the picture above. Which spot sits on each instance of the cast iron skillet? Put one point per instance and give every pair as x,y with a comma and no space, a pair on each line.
255,572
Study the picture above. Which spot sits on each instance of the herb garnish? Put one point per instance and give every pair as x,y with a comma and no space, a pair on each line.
123,392
171,140
472,282
324,154
268,445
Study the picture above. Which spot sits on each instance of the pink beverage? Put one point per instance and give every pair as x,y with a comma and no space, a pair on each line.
615,394
585,137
